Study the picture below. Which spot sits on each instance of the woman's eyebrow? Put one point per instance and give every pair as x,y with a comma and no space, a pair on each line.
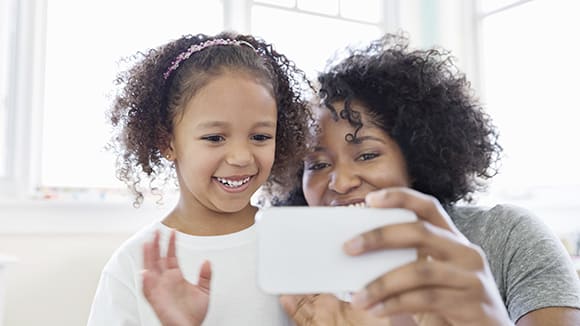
361,139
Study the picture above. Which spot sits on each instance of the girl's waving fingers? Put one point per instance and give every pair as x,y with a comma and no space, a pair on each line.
204,280
171,258
151,255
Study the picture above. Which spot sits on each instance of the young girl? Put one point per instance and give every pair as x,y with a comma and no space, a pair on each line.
225,114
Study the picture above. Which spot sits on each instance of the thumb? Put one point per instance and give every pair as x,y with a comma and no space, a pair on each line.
205,276
289,303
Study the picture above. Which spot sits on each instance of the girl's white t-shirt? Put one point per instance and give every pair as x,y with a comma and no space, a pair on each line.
235,297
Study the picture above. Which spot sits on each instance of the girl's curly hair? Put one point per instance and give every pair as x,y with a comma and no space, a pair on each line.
421,100
144,110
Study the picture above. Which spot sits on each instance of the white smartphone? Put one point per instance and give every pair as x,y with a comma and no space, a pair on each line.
300,248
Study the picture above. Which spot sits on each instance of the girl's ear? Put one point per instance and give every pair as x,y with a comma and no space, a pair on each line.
169,152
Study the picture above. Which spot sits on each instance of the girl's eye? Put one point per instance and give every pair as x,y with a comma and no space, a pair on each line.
214,138
261,138
315,166
367,156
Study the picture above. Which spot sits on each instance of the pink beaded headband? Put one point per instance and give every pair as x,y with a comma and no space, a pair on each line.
198,47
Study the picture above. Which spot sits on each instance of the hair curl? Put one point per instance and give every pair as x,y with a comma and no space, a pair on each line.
421,100
143,111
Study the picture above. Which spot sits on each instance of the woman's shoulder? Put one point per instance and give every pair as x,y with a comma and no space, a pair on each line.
500,222
507,214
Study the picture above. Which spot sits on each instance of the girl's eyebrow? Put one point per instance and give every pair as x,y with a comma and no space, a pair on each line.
214,124
269,124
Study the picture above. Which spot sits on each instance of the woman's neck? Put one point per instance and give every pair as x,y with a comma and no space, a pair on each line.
202,221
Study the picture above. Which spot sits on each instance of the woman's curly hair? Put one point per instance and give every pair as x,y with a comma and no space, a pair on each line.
144,110
421,100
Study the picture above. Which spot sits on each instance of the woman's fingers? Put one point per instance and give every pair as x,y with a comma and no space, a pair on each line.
423,300
299,307
290,303
430,240
412,277
426,207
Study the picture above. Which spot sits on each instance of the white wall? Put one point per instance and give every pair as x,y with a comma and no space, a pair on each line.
61,248
55,277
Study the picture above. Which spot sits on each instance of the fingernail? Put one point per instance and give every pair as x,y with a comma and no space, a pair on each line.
359,299
375,195
377,310
354,245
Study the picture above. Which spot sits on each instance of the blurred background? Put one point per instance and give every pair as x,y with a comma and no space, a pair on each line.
62,212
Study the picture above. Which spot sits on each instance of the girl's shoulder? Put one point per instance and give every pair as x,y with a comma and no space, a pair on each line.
129,255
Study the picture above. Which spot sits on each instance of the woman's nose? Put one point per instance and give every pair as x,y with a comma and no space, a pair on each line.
344,179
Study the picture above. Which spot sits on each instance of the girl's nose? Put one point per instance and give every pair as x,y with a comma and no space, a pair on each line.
343,179
239,155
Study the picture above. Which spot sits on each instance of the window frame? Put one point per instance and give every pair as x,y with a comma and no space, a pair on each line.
25,88
24,95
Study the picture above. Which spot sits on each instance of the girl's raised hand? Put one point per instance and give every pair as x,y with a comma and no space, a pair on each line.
175,301
450,283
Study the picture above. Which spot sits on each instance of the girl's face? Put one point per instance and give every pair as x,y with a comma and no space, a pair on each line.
224,143
338,173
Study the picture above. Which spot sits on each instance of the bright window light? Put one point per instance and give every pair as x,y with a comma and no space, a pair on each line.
5,31
328,7
84,43
530,72
365,10
283,3
314,40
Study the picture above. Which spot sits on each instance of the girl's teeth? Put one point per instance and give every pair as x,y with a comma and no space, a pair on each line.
233,183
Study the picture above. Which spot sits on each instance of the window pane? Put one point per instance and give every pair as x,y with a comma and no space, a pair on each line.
491,5
329,7
531,86
283,3
311,42
365,10
6,25
85,40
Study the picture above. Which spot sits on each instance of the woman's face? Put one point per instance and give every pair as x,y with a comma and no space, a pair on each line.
338,173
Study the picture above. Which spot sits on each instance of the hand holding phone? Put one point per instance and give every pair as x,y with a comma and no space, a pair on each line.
300,248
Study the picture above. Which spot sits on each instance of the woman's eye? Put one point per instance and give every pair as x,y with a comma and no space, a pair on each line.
367,156
213,138
314,166
261,137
